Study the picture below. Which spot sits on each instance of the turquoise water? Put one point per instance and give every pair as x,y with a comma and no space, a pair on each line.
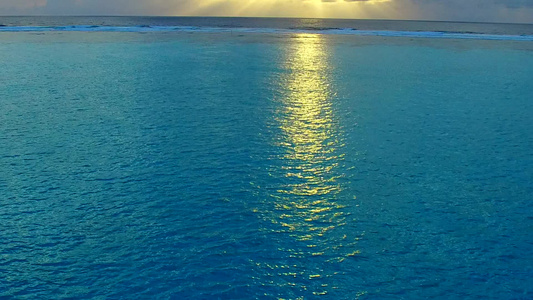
264,166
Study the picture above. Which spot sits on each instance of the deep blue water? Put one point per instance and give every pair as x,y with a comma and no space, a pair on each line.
263,166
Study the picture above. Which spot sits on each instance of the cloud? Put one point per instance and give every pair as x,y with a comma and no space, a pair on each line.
21,4
516,3
453,10
468,10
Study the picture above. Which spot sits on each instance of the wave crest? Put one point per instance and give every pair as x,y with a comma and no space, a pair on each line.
338,31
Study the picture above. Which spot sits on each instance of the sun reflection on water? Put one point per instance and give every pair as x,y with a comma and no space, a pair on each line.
310,141
308,170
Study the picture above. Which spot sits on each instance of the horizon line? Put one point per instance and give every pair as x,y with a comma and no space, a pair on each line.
263,17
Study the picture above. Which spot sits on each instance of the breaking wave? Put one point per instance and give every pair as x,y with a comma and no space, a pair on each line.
338,31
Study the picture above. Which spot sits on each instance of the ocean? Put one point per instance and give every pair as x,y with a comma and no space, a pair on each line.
246,158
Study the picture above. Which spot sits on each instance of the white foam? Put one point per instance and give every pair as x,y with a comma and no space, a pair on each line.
341,31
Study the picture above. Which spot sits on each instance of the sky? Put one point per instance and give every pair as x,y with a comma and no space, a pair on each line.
512,11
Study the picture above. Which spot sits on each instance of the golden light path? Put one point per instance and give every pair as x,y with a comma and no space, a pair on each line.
310,135
306,206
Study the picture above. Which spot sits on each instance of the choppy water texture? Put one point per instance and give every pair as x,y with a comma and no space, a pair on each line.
263,166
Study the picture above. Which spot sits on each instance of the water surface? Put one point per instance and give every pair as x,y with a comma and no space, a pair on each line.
264,166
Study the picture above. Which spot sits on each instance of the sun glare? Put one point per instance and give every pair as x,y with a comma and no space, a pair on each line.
282,8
